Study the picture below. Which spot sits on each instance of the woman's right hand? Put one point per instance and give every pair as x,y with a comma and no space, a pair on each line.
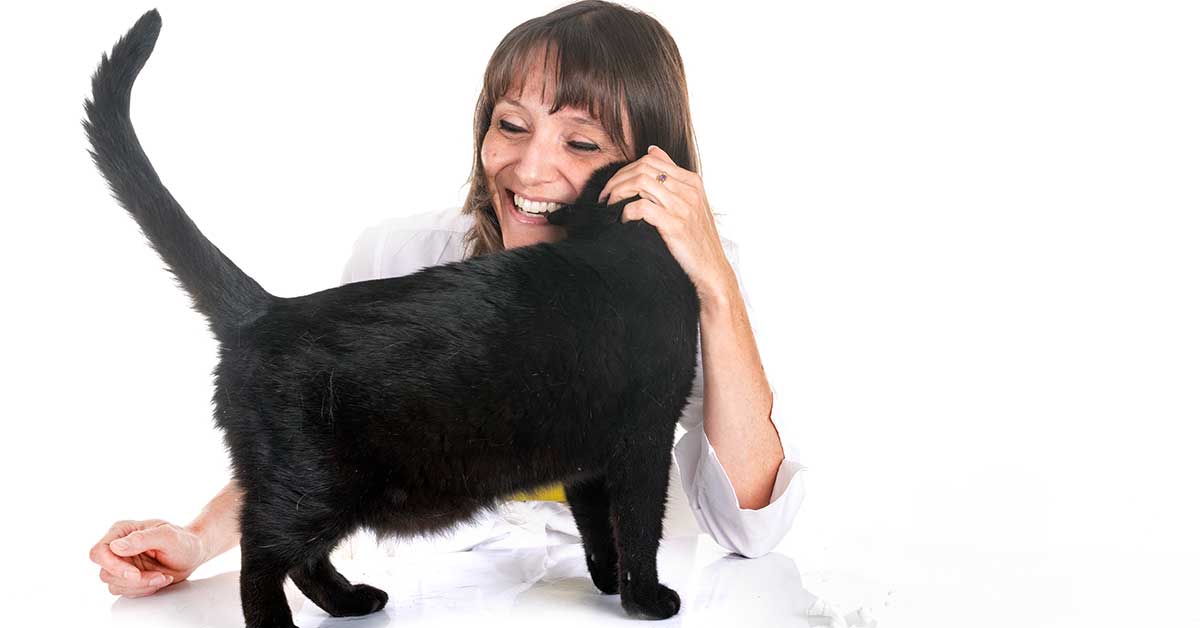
138,558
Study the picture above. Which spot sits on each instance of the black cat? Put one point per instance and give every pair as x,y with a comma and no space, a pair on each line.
408,405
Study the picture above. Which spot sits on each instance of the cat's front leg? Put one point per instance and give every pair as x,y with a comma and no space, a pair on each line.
590,506
637,489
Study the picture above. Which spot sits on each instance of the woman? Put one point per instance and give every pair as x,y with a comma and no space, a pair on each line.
564,94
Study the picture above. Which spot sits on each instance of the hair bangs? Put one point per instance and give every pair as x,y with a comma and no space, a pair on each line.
583,76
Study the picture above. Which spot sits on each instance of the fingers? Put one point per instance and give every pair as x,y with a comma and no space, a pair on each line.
660,153
160,536
112,550
628,181
102,555
642,209
656,161
656,205
647,187
121,586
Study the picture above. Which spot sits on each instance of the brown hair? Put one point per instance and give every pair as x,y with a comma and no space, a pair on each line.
604,57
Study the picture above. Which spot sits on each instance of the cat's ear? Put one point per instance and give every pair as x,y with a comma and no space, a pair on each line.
587,211
595,184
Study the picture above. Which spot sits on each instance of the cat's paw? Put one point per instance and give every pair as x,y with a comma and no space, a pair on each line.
657,601
277,622
604,574
363,599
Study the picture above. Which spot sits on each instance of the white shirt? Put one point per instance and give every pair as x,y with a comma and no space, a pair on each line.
401,246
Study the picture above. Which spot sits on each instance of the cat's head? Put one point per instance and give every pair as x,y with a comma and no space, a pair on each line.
586,213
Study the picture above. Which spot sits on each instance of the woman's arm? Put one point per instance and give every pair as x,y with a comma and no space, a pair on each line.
737,398
139,558
712,490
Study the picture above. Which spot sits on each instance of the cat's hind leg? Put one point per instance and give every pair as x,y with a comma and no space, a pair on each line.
590,506
264,604
320,582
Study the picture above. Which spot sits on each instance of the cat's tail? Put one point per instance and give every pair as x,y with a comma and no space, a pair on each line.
219,289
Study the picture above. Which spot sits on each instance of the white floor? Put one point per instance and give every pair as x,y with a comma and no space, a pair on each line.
545,586
817,578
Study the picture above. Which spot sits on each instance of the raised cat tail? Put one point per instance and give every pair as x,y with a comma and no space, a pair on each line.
219,289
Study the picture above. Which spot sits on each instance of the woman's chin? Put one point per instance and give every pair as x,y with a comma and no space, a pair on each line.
518,233
517,236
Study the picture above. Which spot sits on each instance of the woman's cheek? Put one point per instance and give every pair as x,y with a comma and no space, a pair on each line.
489,152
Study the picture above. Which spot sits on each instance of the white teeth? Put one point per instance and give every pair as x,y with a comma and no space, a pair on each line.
534,207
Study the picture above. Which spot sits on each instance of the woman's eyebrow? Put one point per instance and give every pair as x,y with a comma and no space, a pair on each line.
577,119
588,122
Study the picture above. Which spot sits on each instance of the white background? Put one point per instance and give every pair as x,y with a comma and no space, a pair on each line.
970,236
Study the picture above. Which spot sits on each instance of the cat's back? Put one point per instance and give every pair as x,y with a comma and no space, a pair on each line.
395,274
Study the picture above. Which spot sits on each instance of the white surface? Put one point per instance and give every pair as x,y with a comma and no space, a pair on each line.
895,584
535,586
985,217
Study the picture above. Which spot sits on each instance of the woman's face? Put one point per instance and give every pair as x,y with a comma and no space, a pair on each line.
530,153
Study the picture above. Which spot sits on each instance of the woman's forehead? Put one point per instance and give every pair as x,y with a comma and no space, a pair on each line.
534,100
535,80
534,85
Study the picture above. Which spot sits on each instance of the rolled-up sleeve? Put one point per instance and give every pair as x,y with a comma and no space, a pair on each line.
749,532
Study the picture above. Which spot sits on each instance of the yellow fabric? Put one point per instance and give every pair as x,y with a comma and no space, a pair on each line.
552,493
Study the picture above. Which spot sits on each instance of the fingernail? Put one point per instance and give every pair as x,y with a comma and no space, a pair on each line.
158,581
652,146
121,545
131,574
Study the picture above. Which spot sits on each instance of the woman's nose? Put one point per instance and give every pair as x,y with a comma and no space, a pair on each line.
537,164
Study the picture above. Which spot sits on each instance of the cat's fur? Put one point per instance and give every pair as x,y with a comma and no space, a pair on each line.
408,405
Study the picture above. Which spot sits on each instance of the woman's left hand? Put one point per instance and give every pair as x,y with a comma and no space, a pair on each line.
677,206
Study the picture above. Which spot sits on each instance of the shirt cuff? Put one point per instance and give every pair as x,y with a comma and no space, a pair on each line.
749,532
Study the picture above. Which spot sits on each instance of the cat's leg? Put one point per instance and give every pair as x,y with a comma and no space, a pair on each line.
589,505
637,489
264,604
320,582
272,545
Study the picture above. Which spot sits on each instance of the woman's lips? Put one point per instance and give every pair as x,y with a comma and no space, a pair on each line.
511,207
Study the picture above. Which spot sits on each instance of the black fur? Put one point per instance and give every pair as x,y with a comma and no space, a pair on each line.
408,405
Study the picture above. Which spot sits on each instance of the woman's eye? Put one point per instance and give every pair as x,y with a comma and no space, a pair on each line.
509,127
505,125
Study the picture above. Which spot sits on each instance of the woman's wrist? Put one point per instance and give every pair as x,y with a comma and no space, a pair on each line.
205,533
217,525
719,292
